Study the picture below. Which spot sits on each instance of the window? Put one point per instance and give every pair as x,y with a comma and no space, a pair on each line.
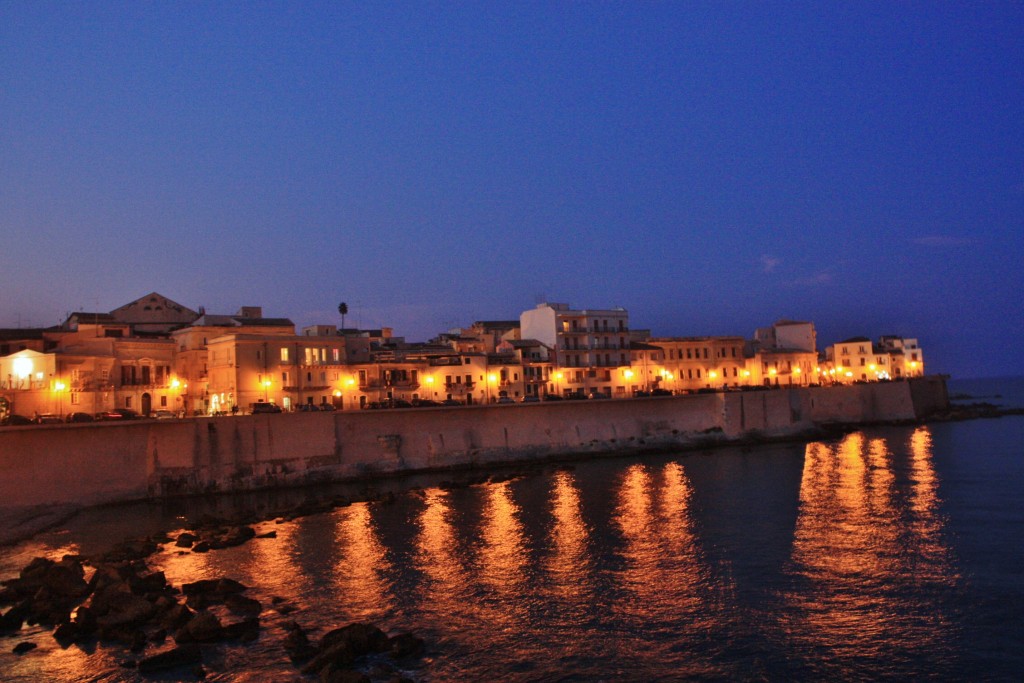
336,355
74,398
163,401
284,353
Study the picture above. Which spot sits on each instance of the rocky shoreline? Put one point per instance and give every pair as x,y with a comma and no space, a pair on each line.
117,600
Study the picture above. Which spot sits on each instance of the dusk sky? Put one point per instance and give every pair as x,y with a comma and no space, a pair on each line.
711,167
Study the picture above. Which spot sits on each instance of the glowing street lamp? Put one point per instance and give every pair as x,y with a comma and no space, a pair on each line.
58,388
558,378
429,381
491,378
266,390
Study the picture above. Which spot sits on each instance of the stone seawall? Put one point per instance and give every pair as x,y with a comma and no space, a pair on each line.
75,465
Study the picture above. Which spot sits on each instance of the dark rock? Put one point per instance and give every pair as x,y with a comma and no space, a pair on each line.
201,547
124,609
269,534
297,644
149,583
236,536
333,658
360,638
246,630
176,617
15,616
23,647
66,633
239,604
181,655
186,540
85,621
405,645
204,627
220,587
343,675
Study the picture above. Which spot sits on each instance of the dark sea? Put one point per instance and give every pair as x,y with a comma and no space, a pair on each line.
892,553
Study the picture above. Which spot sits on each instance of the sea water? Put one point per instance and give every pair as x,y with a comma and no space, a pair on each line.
892,553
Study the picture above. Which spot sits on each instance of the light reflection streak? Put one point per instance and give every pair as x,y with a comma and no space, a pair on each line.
502,556
570,560
360,574
858,546
663,573
443,592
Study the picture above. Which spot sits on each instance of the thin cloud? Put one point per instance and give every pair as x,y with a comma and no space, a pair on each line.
769,263
822,277
942,241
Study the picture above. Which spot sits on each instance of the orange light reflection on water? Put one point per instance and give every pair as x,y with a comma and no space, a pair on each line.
360,575
663,571
570,560
858,544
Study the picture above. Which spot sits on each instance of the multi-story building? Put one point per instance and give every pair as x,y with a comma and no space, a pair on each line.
192,353
906,357
692,363
589,345
859,360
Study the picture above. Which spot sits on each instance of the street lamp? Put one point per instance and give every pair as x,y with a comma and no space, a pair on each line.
558,379
490,378
266,390
429,381
58,388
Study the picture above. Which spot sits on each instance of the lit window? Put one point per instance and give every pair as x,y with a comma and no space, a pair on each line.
284,353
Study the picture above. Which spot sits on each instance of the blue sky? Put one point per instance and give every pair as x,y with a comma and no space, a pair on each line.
711,167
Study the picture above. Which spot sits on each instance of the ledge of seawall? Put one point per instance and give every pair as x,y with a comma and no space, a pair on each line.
75,465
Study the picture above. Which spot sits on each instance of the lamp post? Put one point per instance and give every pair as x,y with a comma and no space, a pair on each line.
266,390
558,379
429,381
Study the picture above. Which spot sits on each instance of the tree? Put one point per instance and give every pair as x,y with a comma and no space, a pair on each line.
343,309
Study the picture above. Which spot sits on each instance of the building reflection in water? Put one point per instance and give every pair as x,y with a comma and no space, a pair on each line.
362,570
867,541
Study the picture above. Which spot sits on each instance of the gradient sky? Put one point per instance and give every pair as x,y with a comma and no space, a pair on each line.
711,167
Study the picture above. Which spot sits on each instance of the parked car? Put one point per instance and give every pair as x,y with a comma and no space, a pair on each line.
307,408
327,407
660,392
451,402
553,397
163,415
504,400
48,419
424,403
18,420
530,399
598,395
80,417
265,408
126,413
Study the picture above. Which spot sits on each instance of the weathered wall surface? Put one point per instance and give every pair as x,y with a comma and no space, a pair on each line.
88,464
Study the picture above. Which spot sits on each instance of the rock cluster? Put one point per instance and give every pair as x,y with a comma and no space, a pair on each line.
125,602
335,658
